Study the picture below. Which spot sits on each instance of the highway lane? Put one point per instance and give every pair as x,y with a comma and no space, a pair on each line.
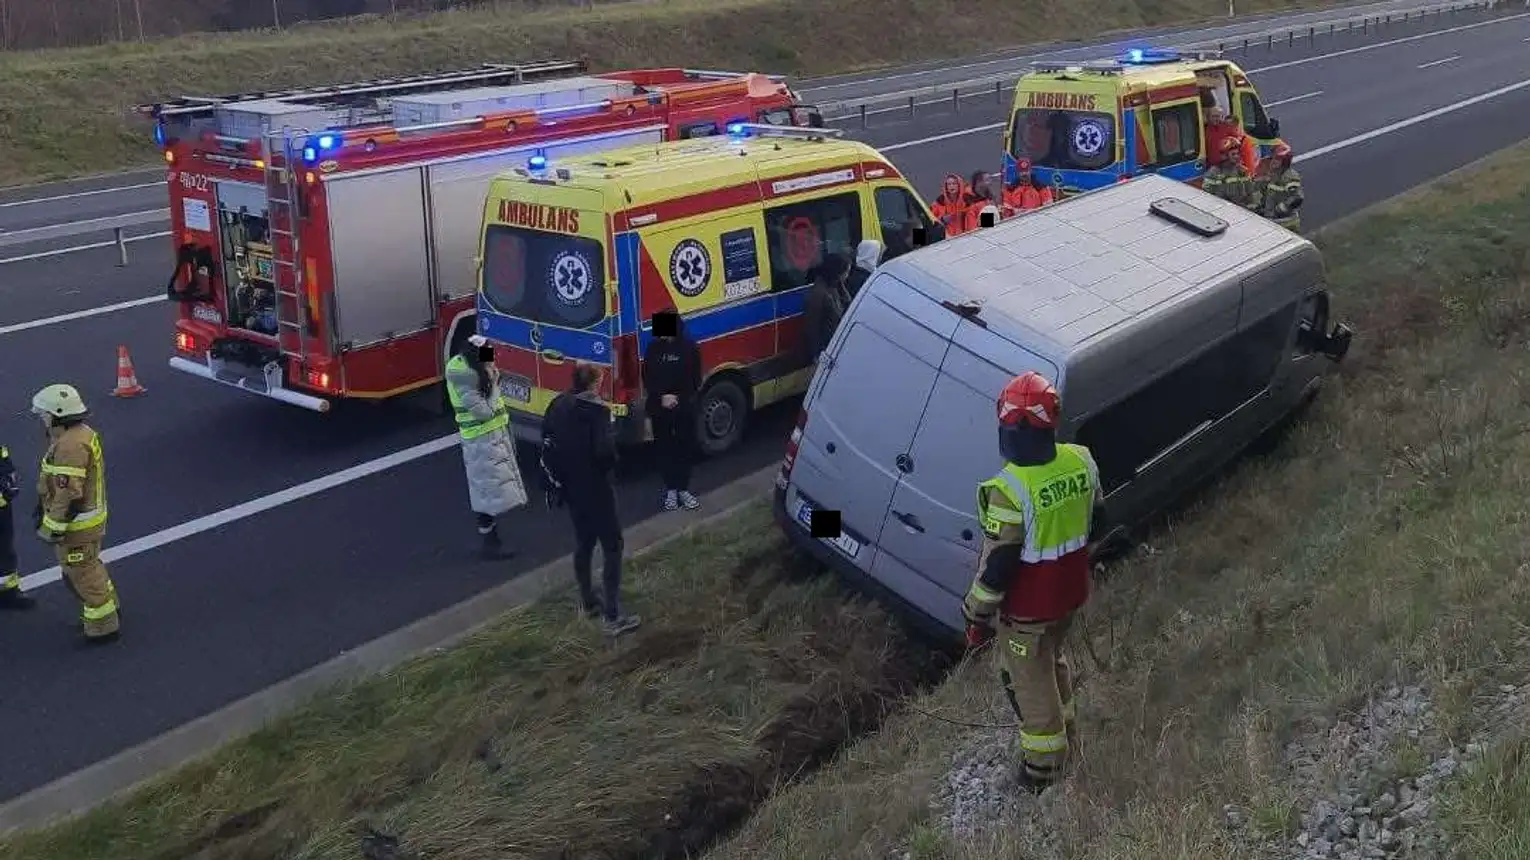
60,202
228,611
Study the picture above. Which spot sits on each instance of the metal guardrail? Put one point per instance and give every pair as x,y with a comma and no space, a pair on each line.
115,224
955,92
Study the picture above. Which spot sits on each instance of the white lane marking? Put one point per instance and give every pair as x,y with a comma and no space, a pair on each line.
1413,120
254,506
116,189
79,315
1440,62
163,213
76,248
1322,150
1387,44
1303,97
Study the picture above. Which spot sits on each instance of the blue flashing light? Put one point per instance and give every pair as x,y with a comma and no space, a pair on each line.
538,162
1134,55
329,141
1149,55
735,129
310,154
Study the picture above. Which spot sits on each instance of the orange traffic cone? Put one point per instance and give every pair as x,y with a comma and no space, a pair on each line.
127,380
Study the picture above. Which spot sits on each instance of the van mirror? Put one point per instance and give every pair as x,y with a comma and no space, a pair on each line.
1336,345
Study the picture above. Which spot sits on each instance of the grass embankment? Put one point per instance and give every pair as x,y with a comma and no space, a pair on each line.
66,112
1385,540
537,739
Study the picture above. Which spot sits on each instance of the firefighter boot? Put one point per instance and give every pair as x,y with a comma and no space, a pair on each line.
87,578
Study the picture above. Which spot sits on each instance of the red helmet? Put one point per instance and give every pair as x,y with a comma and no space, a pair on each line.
1029,399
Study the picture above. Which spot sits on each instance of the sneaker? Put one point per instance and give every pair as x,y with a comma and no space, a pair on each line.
622,624
671,501
688,501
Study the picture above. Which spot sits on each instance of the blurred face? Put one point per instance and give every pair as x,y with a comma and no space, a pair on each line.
952,187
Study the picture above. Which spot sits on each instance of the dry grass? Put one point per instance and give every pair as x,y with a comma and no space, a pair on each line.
538,740
1385,538
65,112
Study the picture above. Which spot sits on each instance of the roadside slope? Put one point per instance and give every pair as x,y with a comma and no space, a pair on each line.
1295,662
66,112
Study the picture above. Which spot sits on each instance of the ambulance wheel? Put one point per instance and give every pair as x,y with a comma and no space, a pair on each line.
721,414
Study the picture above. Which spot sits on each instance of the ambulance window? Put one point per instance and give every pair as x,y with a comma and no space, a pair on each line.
1072,140
1177,131
1255,121
801,234
698,129
545,277
899,213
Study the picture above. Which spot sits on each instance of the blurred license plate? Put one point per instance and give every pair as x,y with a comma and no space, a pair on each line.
516,388
844,543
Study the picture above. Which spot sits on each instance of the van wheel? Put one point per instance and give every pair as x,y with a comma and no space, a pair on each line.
721,414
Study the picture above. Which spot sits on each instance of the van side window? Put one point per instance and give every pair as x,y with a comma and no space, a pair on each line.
1177,131
698,129
1311,324
801,234
1209,387
899,213
1256,123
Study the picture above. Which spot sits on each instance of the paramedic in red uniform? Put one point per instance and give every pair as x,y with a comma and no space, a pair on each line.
1026,193
1033,573
951,206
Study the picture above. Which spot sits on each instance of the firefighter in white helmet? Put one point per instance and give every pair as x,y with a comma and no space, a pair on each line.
71,508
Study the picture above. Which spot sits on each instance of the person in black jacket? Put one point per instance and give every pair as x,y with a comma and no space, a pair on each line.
11,595
671,378
580,453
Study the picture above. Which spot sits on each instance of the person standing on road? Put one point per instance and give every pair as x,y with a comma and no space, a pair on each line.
824,305
1228,180
579,454
11,595
868,255
671,378
1037,516
1281,194
488,450
71,508
951,205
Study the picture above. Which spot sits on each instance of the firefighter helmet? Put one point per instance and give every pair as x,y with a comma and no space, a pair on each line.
58,401
1029,400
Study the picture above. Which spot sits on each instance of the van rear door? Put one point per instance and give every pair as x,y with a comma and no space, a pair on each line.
886,353
929,544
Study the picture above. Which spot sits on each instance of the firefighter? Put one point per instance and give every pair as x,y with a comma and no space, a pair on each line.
951,206
71,508
1033,574
1282,190
1228,180
488,452
11,595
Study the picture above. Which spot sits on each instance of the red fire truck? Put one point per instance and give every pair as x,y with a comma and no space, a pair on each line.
326,239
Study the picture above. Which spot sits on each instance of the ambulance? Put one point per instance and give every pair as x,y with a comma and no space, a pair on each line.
579,253
325,236
1086,125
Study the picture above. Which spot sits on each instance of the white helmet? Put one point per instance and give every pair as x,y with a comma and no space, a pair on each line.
58,401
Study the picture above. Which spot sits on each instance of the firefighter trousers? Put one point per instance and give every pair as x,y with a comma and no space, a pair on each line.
10,575
85,574
1040,689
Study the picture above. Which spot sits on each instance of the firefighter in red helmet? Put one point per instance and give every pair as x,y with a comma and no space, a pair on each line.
1033,574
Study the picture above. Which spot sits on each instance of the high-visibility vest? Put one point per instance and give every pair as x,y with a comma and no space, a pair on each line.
1052,501
92,505
469,425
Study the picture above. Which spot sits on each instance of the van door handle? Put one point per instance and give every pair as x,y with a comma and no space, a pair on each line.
910,522
551,356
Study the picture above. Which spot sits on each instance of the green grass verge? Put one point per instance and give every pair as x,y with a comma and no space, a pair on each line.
65,112
1385,539
538,738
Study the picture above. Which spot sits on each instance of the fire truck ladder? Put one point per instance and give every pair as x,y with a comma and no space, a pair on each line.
282,190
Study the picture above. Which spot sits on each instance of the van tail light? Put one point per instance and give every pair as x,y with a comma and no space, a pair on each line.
624,371
793,442
185,342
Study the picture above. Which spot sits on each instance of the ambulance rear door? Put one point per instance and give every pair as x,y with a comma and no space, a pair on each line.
1067,129
544,286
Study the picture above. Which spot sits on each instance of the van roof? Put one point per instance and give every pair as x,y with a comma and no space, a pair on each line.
651,173
1127,76
1086,268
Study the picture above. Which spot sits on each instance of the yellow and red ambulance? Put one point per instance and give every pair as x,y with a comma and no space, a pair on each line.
579,253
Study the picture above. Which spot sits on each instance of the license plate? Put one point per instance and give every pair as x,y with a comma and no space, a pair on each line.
207,313
844,543
516,389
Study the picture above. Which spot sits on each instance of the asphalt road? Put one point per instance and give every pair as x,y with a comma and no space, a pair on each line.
225,611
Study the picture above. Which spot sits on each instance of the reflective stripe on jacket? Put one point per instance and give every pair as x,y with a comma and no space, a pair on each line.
72,481
473,422
1282,197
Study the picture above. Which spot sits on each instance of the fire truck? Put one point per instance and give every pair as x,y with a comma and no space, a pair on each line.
326,239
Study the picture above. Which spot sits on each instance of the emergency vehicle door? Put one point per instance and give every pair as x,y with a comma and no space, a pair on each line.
1174,144
1250,112
899,213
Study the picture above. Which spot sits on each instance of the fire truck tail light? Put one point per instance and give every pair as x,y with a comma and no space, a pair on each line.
318,379
184,342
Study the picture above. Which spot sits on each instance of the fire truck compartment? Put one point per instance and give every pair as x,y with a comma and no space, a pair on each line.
244,236
427,108
380,251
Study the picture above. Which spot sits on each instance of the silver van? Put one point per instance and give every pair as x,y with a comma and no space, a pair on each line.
1177,327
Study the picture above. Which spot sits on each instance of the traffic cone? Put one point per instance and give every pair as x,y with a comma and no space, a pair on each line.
127,380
